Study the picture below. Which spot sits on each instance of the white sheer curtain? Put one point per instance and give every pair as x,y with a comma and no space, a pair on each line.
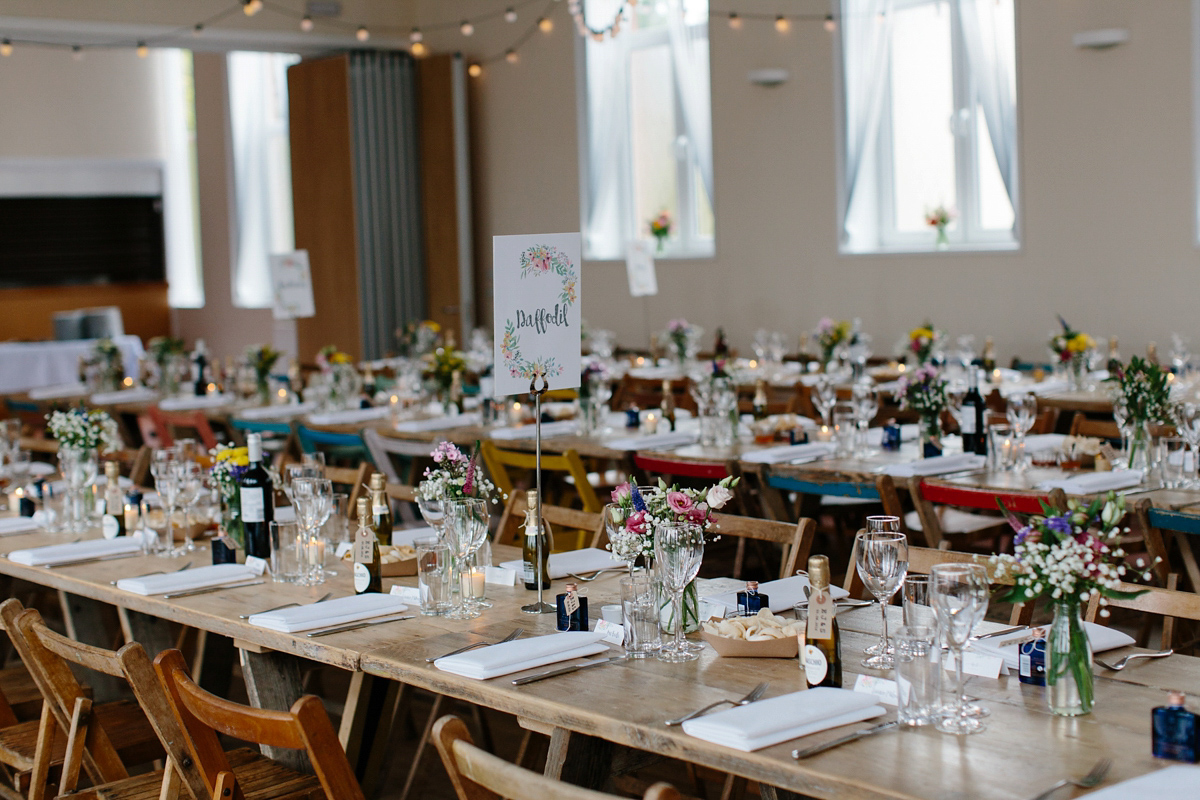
866,30
689,53
185,284
987,34
608,147
261,170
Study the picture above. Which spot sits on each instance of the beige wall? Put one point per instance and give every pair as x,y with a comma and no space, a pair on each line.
1106,164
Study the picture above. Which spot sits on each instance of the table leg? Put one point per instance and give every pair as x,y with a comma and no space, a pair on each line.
91,622
371,704
273,682
153,633
579,759
771,793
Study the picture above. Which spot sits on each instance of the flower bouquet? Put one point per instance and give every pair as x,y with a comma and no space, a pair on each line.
229,464
262,359
440,367
341,377
660,228
594,392
418,338
454,476
165,352
81,434
924,391
829,334
1141,398
939,218
105,359
1068,558
1072,348
683,337
921,342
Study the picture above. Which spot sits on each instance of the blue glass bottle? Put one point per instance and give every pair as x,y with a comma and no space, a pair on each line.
1174,730
750,602
572,609
1032,661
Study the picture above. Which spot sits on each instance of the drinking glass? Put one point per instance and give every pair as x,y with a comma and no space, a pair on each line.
466,526
433,511
1021,414
286,551
918,605
958,594
190,479
866,406
625,545
315,461
1186,416
1002,448
845,429
881,558
678,550
433,575
639,610
917,679
166,472
18,470
1175,462
338,529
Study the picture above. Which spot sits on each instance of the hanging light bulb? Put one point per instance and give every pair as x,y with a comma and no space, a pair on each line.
6,48
362,34
142,50
416,35
466,28
474,70
735,21
418,49
830,25
511,56
781,24
77,52
510,14
251,7
306,24
545,24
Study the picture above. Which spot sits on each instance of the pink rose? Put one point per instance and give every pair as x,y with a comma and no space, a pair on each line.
718,496
698,514
636,522
679,502
622,494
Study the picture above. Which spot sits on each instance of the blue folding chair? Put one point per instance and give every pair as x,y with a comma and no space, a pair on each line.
335,445
772,488
1181,526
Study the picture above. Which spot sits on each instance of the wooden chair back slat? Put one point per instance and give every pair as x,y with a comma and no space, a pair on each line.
1083,425
647,393
796,540
166,424
352,479
1168,603
497,461
560,518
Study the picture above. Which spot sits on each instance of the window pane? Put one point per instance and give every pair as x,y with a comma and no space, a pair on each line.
922,107
706,225
995,209
653,126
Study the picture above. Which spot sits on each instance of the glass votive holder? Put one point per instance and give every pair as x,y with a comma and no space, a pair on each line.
313,559
433,575
918,679
1003,449
286,552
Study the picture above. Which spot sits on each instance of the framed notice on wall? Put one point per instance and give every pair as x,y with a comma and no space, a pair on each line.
537,319
639,268
291,283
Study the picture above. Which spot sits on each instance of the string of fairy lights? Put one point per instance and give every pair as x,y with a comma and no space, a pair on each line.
417,45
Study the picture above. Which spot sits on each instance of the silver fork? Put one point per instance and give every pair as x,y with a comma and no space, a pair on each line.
754,694
598,573
516,634
1124,662
1093,778
156,572
321,599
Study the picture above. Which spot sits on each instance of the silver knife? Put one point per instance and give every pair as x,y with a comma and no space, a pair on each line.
554,673
852,737
353,626
207,589
1001,632
91,559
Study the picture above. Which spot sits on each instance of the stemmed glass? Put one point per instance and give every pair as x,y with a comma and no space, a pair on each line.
1121,417
881,558
824,398
959,593
466,524
678,550
312,498
865,400
625,545
1187,421
190,478
166,472
433,511
1021,413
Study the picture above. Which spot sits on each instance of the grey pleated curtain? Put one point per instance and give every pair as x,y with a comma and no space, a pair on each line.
391,279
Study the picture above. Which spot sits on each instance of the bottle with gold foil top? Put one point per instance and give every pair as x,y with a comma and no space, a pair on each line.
822,655
456,390
535,529
381,509
1114,357
667,407
760,400
112,524
367,566
989,356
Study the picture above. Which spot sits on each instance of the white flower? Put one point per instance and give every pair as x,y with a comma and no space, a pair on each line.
1110,514
718,496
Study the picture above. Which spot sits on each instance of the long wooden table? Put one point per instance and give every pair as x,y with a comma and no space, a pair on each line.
591,714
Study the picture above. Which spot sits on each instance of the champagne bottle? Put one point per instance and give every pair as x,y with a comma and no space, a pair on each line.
367,569
760,400
822,656
381,509
667,406
971,426
989,355
456,390
1152,353
257,495
199,367
535,530
113,522
1114,357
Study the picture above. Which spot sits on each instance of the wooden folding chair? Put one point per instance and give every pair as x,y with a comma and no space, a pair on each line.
387,451
1162,527
1167,603
168,423
568,520
795,540
647,393
304,727
936,525
351,480
478,775
498,460
1083,425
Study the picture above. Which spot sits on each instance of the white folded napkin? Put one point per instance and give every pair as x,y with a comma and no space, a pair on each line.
789,716
522,654
1100,637
778,455
191,402
655,441
564,427
54,392
1095,482
349,417
58,487
138,394
76,551
15,525
341,611
284,411
908,433
409,535
667,371
588,559
782,594
437,423
198,578
40,469
1044,441
1173,782
887,387
938,465
1053,386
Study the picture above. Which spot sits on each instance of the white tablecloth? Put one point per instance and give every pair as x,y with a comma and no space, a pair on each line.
28,365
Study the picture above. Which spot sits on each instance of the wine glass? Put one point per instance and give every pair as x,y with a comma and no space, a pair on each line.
466,524
315,462
824,398
762,340
1186,415
433,511
865,400
165,469
1121,417
958,592
624,544
678,550
881,558
1021,413
190,480
980,576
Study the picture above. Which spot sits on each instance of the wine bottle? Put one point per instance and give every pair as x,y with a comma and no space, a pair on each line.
971,420
989,355
760,400
199,367
112,524
535,530
381,509
367,567
1114,357
822,656
667,406
257,495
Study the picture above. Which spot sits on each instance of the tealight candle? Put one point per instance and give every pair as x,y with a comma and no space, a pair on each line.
901,367
128,382
130,518
211,388
471,582
641,361
650,423
282,394
824,434
996,376
753,364
316,552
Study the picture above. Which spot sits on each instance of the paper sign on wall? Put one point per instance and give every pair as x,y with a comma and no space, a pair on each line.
639,268
291,283
536,287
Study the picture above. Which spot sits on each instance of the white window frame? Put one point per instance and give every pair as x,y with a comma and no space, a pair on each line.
690,243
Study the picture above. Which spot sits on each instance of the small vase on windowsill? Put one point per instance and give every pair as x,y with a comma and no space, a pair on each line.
943,241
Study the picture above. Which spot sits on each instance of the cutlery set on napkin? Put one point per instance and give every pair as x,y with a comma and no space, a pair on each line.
436,423
1101,637
577,562
938,465
1095,482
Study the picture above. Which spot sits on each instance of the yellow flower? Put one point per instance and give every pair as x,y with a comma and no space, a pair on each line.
433,326
1080,343
339,358
238,456
921,333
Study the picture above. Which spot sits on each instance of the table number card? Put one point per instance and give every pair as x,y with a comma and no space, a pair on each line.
291,282
536,286
639,269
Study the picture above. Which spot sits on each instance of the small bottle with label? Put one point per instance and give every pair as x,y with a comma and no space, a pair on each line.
381,509
822,655
112,523
367,567
668,404
1175,730
760,400
891,435
572,609
1031,660
535,530
633,418
750,602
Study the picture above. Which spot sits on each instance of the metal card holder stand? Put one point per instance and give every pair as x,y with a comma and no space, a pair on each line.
540,607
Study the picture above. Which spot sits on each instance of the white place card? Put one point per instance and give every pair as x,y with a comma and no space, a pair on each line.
291,285
257,565
536,280
409,594
977,664
639,269
611,633
500,576
342,549
886,691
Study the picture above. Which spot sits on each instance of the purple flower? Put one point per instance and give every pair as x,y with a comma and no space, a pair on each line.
1023,534
639,504
1060,525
